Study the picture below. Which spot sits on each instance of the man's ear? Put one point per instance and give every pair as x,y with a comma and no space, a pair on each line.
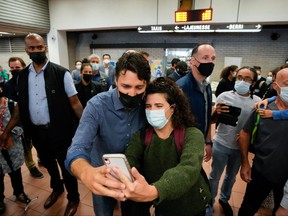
193,61
26,50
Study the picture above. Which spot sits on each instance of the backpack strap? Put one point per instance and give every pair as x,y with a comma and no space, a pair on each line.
179,134
255,129
148,135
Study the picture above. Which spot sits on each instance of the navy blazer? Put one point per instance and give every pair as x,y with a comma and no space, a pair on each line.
197,101
111,72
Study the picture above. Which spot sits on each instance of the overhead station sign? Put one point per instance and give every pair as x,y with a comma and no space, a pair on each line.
194,15
239,28
200,28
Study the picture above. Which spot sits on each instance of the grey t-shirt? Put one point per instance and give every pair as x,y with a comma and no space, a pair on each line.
226,134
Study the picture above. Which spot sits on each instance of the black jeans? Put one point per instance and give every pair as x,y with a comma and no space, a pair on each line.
256,192
16,181
50,154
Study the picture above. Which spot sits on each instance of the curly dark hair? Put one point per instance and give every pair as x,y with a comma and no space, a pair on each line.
226,71
134,62
182,115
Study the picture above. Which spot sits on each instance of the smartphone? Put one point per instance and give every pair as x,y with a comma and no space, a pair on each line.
120,161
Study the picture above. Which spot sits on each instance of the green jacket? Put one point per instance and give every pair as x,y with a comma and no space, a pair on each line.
183,191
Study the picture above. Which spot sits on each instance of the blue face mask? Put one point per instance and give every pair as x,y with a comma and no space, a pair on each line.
157,118
95,66
242,87
283,93
269,80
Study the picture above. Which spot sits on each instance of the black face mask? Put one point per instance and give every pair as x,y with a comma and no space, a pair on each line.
87,77
181,73
15,73
38,57
205,69
129,101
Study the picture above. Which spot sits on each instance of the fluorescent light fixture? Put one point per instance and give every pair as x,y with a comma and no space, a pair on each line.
6,33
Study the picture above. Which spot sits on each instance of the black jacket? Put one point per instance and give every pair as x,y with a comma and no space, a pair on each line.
62,118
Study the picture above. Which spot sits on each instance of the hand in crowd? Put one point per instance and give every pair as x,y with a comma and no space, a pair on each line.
263,102
208,153
265,113
95,179
139,190
3,140
245,172
221,108
281,212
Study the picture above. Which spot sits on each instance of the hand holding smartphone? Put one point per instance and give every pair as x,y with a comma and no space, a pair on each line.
120,161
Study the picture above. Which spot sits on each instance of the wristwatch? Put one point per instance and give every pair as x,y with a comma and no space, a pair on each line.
209,143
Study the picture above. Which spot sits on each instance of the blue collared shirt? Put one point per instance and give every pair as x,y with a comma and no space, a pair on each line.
105,127
38,104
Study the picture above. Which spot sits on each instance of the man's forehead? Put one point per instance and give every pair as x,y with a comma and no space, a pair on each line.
206,50
282,74
130,78
15,63
245,73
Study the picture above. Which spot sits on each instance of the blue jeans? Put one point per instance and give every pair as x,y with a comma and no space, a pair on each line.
103,205
223,156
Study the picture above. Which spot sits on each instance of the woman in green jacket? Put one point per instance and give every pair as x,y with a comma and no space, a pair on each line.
166,174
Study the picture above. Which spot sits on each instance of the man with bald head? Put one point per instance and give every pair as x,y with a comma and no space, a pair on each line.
49,107
198,90
270,164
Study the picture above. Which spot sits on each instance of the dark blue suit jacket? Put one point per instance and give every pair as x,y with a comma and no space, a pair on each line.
197,101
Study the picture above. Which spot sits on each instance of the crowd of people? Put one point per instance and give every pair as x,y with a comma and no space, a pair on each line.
163,126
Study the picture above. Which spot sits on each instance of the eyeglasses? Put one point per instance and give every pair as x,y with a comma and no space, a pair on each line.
245,79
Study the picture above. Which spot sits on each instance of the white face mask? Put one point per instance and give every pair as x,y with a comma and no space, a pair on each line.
283,93
258,77
269,80
242,87
106,61
234,74
95,66
78,67
157,118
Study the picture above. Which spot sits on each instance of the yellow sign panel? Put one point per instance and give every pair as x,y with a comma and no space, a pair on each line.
194,15
207,15
181,16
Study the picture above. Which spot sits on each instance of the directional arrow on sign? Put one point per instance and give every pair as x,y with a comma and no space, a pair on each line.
258,26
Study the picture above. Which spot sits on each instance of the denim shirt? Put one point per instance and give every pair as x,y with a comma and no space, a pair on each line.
106,126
